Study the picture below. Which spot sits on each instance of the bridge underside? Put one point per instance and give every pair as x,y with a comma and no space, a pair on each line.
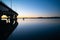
5,10
9,15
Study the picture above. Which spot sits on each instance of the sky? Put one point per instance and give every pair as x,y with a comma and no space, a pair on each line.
35,8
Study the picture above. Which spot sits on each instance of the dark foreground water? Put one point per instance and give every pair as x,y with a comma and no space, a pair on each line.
36,29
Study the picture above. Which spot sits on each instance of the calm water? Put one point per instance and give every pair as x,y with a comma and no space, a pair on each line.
36,29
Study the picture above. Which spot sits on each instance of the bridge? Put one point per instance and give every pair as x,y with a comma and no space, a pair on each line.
5,10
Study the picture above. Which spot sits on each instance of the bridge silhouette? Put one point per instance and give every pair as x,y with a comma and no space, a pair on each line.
5,10
6,28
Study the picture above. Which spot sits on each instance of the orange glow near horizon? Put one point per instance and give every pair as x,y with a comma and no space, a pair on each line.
27,15
30,15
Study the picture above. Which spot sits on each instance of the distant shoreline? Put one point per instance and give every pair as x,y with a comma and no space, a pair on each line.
36,18
39,18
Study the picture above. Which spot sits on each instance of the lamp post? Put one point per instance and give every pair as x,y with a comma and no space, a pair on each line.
11,4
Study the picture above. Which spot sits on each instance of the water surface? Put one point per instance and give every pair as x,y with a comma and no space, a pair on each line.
36,29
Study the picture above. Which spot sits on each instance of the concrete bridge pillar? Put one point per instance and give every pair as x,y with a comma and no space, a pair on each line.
0,14
11,19
0,17
15,18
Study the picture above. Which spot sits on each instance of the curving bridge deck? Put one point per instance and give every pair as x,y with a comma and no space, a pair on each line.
5,10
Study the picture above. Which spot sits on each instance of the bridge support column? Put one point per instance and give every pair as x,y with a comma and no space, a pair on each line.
0,17
15,18
11,19
0,14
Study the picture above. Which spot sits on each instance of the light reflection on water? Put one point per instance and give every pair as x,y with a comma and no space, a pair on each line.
39,20
29,29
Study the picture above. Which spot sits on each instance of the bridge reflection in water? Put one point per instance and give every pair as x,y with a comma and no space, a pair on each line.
6,29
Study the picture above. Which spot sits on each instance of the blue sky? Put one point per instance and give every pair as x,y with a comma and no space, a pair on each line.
28,8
